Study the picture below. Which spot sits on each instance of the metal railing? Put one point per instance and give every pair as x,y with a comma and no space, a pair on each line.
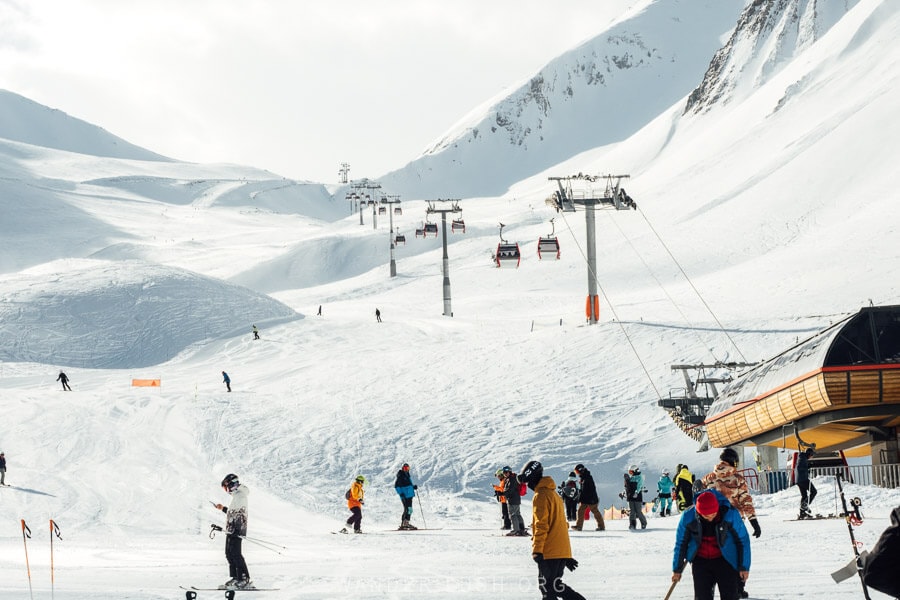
769,482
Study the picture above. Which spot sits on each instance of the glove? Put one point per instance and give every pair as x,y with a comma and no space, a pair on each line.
622,495
571,564
537,557
755,525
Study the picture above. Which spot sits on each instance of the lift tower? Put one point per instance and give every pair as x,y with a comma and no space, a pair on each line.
453,208
589,195
344,172
369,198
390,201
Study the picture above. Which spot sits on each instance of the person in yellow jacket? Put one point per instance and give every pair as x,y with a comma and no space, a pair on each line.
550,547
355,500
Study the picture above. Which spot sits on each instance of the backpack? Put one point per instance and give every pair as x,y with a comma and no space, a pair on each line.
347,494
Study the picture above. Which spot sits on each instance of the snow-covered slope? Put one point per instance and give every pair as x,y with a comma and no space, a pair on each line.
598,93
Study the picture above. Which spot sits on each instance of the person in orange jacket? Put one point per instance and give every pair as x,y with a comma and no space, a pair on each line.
355,500
501,498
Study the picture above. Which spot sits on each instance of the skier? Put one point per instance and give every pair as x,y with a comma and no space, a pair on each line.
664,488
727,481
226,380
569,491
378,315
550,546
405,488
501,498
255,332
355,500
2,469
634,493
235,531
513,494
712,537
65,381
684,487
589,500
807,489
320,311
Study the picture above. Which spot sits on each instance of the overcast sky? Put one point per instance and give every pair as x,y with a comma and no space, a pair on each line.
293,86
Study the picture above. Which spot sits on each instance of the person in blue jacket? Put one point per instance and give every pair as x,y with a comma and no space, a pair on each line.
404,487
664,488
712,537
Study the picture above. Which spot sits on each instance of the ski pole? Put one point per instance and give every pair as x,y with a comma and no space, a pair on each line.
422,511
54,530
26,533
267,545
671,589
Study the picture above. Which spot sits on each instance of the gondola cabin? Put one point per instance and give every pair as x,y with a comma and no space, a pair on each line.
400,239
420,232
370,203
548,247
508,255
458,225
382,210
398,210
431,228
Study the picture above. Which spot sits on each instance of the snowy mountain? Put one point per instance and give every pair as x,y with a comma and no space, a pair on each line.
760,220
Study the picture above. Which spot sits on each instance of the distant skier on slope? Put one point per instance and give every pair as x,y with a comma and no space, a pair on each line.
226,380
405,488
65,381
235,531
255,332
2,469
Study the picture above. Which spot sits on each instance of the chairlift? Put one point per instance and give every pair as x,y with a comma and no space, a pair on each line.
457,225
431,228
508,254
382,210
548,245
420,231
400,239
398,210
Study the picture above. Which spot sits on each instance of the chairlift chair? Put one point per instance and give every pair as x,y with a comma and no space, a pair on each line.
548,245
457,225
382,210
398,210
400,239
420,231
431,228
508,254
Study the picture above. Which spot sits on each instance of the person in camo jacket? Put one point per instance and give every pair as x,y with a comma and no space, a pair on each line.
727,481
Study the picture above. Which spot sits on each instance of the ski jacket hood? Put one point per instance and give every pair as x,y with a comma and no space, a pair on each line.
550,530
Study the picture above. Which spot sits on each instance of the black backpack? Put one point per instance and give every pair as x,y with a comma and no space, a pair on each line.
347,494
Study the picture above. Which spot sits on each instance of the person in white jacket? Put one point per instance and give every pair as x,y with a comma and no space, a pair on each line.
235,531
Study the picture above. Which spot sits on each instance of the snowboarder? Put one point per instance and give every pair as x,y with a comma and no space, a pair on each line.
570,492
664,489
712,537
550,546
320,311
501,498
355,500
634,494
226,380
235,531
2,469
255,332
65,381
589,499
405,488
378,315
807,489
684,487
513,494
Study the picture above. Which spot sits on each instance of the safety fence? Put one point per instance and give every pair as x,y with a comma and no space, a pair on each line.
769,482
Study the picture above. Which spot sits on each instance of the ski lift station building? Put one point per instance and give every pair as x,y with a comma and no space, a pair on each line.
839,390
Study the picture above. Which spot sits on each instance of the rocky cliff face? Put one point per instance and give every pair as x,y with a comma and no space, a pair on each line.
769,33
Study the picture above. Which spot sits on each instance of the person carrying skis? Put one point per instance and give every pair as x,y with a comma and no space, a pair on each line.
684,487
664,489
634,494
513,493
2,469
65,381
255,332
550,545
226,380
404,487
501,498
569,491
235,531
589,500
807,490
712,537
355,500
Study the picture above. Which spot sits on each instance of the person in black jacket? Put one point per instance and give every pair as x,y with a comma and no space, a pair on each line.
65,381
513,493
807,489
589,499
2,469
880,565
405,488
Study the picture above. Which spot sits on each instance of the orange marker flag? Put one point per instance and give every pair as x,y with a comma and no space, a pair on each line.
146,382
